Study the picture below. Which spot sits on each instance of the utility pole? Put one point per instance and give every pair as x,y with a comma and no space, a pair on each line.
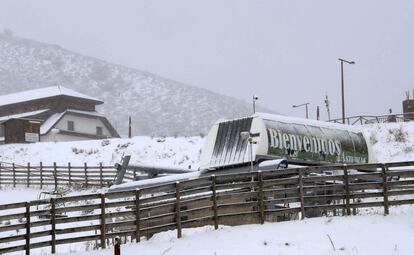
317,113
327,107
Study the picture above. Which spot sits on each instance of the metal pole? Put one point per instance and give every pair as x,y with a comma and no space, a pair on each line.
306,108
117,247
254,103
307,115
342,89
129,127
254,106
251,154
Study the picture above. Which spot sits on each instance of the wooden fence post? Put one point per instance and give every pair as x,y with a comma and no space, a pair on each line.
101,174
137,215
384,169
70,173
27,228
213,190
53,224
178,209
85,167
14,175
347,192
41,175
103,222
55,175
1,169
28,175
261,197
301,194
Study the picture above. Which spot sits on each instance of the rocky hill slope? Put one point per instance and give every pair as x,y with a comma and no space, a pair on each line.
158,106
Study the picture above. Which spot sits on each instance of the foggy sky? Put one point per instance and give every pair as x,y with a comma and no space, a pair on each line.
286,52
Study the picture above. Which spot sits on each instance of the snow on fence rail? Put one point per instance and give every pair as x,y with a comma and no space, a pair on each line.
55,175
373,119
231,199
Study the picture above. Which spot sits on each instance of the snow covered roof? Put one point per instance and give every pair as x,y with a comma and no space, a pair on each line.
296,120
50,122
55,118
309,122
90,113
47,92
22,115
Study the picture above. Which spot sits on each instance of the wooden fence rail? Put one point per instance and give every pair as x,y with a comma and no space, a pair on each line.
54,175
372,119
232,199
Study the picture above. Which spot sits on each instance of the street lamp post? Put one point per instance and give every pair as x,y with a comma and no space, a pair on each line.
247,135
255,98
342,85
306,108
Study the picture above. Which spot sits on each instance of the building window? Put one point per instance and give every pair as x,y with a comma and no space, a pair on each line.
99,131
71,125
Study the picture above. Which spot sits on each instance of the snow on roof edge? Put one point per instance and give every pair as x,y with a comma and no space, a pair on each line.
41,93
296,120
50,122
22,115
310,122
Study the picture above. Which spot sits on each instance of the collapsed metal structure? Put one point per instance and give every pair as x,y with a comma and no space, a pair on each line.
262,142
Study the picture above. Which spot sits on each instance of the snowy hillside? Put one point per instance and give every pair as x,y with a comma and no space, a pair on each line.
158,106
181,152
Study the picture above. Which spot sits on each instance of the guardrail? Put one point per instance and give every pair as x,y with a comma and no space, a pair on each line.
372,119
231,199
55,175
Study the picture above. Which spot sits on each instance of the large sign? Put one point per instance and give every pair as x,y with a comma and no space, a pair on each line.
31,137
311,143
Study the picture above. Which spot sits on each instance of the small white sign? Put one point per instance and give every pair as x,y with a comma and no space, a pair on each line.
31,137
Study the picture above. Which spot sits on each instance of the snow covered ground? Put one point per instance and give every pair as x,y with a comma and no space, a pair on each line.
368,234
374,234
15,195
371,233
391,142
170,151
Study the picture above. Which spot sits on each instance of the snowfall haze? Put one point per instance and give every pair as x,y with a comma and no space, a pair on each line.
284,51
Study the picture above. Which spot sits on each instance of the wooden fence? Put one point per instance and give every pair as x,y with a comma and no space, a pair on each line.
233,199
372,119
55,175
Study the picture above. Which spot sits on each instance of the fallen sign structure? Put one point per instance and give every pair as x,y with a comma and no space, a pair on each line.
263,142
300,141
